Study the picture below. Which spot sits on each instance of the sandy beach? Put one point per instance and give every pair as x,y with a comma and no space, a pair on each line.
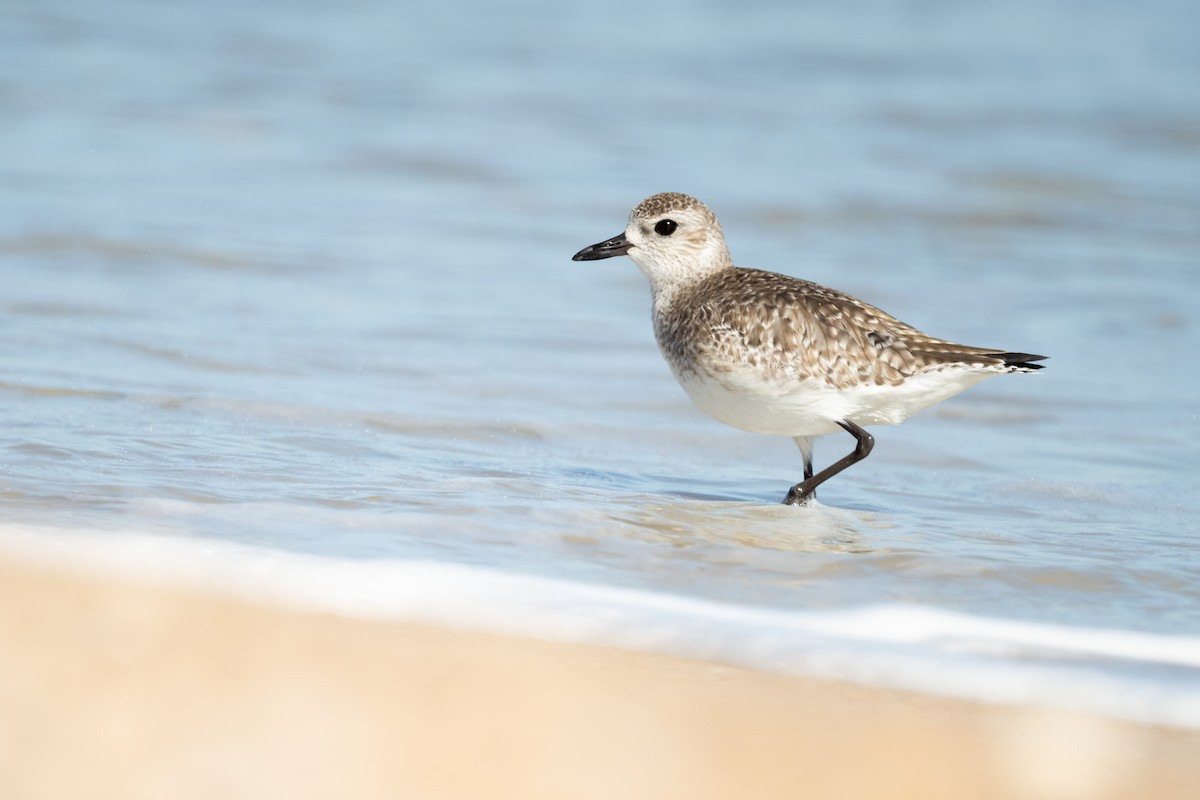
111,689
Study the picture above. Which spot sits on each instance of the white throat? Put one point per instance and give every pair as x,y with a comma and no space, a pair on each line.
669,272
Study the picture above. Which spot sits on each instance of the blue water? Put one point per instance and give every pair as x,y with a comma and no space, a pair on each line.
297,276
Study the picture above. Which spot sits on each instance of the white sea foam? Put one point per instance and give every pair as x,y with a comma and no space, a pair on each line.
1139,676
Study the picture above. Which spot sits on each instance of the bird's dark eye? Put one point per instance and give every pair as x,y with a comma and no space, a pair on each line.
665,227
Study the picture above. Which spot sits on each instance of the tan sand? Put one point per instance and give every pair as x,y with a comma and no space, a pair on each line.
114,690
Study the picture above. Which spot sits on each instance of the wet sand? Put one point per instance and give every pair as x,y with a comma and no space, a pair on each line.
110,689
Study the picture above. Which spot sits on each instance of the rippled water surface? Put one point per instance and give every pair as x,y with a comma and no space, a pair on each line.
298,275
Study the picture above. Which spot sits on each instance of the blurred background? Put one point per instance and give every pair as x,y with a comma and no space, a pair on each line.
296,275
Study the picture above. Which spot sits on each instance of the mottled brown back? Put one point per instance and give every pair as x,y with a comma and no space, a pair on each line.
790,329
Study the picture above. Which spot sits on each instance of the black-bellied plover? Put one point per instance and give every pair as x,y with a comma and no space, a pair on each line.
773,354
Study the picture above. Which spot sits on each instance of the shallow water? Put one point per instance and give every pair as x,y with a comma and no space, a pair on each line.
298,277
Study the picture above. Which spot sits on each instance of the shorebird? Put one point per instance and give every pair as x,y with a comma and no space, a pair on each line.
773,354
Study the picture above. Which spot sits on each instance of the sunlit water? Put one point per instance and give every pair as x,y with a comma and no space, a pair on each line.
296,276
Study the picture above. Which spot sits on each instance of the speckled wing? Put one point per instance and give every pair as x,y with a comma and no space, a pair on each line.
786,329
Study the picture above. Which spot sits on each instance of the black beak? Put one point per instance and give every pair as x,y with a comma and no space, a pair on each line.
616,246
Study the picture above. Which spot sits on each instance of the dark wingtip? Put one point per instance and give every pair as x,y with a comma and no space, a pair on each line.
1022,360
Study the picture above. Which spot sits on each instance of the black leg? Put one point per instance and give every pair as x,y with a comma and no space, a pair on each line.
805,443
804,491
